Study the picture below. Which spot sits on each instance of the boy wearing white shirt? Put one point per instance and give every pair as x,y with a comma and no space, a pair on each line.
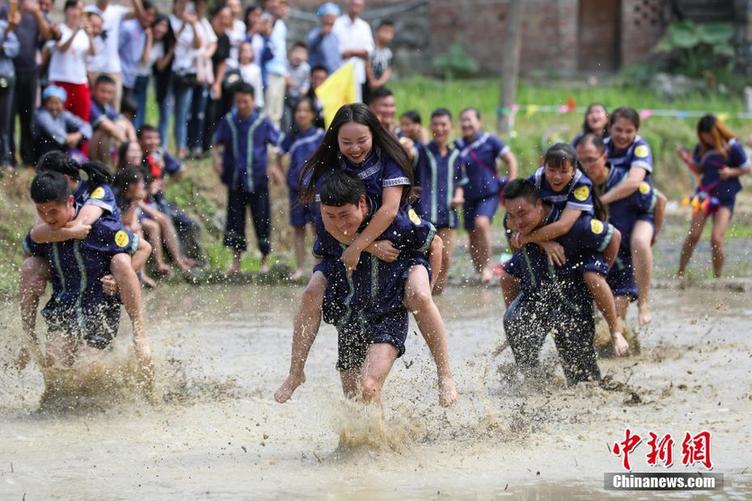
355,41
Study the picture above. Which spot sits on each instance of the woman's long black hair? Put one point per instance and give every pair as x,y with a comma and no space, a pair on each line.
327,155
561,154
96,173
586,127
168,42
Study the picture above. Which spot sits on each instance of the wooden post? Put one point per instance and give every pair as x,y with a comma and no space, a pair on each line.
510,65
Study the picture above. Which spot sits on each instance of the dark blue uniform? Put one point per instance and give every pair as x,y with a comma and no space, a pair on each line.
577,194
711,184
244,173
638,154
377,172
367,306
557,300
479,155
100,196
438,177
623,214
78,306
300,147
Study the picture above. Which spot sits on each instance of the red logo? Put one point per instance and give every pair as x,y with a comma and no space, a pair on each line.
695,449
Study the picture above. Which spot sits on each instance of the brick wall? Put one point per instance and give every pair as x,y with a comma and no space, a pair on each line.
549,37
549,32
643,24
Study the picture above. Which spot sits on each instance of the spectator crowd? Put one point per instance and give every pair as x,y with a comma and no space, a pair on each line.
78,78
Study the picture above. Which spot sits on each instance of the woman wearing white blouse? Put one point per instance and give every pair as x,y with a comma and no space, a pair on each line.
68,60
185,25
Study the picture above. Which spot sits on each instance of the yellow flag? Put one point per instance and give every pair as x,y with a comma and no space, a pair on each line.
723,116
336,91
531,110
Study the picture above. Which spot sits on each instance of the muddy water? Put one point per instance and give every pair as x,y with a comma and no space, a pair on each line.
217,433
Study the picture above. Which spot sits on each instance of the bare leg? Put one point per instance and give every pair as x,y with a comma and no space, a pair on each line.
693,236
170,237
305,327
622,303
604,299
481,240
154,232
130,291
447,238
379,361
419,301
300,252
130,295
350,379
264,265
642,257
34,275
721,221
510,287
235,264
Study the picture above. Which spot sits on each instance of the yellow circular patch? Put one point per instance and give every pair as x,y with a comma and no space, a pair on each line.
582,193
121,238
596,226
97,193
644,188
641,151
413,217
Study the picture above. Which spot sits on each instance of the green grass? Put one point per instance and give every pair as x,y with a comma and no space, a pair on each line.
533,133
18,215
201,194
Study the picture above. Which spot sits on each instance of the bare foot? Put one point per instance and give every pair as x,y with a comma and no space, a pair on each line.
486,276
233,269
264,268
285,391
447,391
163,269
644,314
148,281
297,275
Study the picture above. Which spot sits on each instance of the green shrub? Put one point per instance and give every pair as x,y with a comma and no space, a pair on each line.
694,49
455,62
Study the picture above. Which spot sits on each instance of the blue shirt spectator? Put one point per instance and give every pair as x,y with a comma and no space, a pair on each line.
131,49
57,127
323,44
277,45
10,48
